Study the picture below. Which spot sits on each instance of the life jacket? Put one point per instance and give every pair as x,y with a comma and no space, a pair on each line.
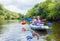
35,21
23,23
38,22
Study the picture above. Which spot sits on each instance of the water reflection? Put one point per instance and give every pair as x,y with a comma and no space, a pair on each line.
56,30
12,32
43,32
1,29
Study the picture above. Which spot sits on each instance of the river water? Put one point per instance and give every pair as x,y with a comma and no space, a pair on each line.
13,32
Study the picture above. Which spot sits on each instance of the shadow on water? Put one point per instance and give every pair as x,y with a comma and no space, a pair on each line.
41,32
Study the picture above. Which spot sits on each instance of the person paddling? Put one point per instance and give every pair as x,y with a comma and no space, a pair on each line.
37,21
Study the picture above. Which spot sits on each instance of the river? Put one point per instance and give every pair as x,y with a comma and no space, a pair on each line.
12,31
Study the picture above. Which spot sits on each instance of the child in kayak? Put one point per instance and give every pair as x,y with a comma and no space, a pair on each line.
34,20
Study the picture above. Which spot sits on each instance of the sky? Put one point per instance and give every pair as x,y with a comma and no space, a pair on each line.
19,6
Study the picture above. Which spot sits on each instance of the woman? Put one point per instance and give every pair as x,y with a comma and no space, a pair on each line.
38,20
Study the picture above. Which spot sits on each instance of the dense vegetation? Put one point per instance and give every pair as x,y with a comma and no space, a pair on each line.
8,15
49,9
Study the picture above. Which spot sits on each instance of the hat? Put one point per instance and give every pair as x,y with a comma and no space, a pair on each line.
38,16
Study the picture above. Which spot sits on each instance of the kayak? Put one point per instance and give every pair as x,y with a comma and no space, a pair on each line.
40,27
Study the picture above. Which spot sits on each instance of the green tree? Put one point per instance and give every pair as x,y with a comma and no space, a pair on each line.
49,9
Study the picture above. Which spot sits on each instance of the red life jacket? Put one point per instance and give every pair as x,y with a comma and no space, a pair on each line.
23,23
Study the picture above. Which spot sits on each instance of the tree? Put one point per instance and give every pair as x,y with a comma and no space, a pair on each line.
6,14
49,9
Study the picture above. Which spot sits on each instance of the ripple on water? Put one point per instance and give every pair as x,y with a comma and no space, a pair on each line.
14,33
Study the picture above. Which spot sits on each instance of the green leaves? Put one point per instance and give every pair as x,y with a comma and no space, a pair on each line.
49,9
6,14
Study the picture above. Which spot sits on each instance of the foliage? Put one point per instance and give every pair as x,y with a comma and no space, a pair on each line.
6,14
49,9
